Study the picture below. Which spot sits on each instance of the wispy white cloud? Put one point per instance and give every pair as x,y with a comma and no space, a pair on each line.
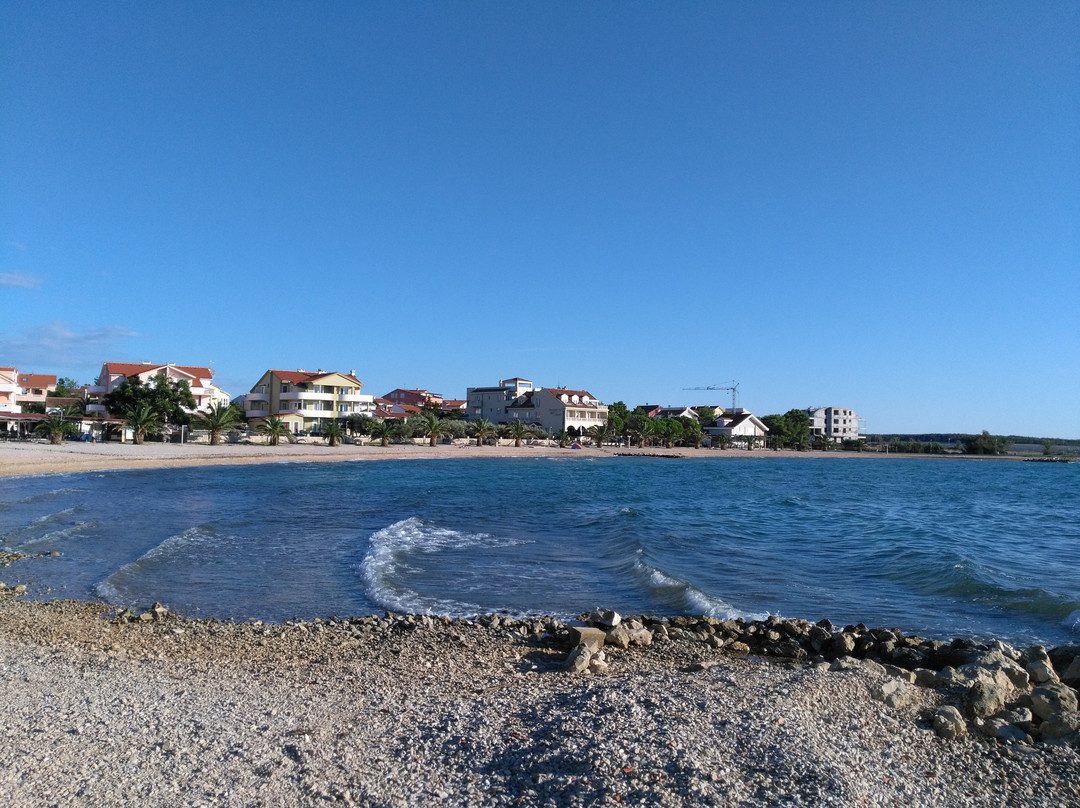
57,346
20,280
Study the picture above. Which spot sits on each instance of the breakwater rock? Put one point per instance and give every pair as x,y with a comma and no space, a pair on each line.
1008,694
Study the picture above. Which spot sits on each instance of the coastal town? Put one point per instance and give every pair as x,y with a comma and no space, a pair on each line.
129,401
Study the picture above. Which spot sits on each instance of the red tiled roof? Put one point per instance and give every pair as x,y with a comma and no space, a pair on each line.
36,380
303,376
129,369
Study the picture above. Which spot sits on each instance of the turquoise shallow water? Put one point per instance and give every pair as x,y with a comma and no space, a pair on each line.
940,547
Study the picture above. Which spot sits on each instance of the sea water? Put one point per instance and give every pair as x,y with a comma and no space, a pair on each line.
940,547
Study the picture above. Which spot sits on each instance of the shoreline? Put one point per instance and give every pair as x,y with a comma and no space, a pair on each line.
19,458
413,710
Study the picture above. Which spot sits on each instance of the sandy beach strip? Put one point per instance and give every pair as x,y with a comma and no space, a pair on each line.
40,457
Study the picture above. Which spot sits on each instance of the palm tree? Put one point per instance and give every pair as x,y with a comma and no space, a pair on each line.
55,428
563,438
644,429
482,429
383,430
598,434
220,418
693,435
432,426
143,420
275,429
332,431
517,430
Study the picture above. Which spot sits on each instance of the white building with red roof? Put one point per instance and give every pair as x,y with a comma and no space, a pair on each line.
557,408
199,379
307,400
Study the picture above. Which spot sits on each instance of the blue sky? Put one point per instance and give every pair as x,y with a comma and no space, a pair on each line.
874,205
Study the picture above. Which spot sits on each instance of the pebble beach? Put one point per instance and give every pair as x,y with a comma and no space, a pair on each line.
115,707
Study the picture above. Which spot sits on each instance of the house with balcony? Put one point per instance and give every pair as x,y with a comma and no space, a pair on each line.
556,409
9,390
307,400
114,374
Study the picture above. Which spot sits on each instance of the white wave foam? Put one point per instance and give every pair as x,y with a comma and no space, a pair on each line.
386,566
192,541
1072,621
692,599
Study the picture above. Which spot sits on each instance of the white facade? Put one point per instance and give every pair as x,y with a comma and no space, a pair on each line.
199,379
835,423
556,409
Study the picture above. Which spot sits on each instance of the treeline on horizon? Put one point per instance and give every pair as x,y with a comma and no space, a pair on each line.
148,408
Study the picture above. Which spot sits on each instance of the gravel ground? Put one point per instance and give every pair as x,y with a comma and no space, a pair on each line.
177,713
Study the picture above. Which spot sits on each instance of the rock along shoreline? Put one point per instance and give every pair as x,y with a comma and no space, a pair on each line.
107,706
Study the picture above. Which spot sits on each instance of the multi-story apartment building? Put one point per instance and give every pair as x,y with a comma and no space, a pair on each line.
490,403
556,409
305,400
834,423
19,389
113,374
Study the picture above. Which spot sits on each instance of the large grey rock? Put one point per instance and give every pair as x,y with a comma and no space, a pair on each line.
617,637
1041,671
605,618
640,636
948,723
1051,698
842,644
592,637
1071,674
894,693
579,659
1065,724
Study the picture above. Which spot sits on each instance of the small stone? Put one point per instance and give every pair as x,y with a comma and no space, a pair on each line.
19,590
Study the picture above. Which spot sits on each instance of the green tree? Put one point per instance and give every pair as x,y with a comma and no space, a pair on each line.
143,420
562,437
693,434
168,399
275,429
777,426
383,431
640,426
518,430
359,424
798,429
482,430
670,430
67,388
332,431
984,444
433,427
706,416
220,419
598,434
55,428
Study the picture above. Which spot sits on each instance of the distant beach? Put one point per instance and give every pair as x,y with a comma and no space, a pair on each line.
39,457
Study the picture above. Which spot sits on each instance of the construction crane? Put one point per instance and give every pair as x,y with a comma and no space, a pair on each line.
733,387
